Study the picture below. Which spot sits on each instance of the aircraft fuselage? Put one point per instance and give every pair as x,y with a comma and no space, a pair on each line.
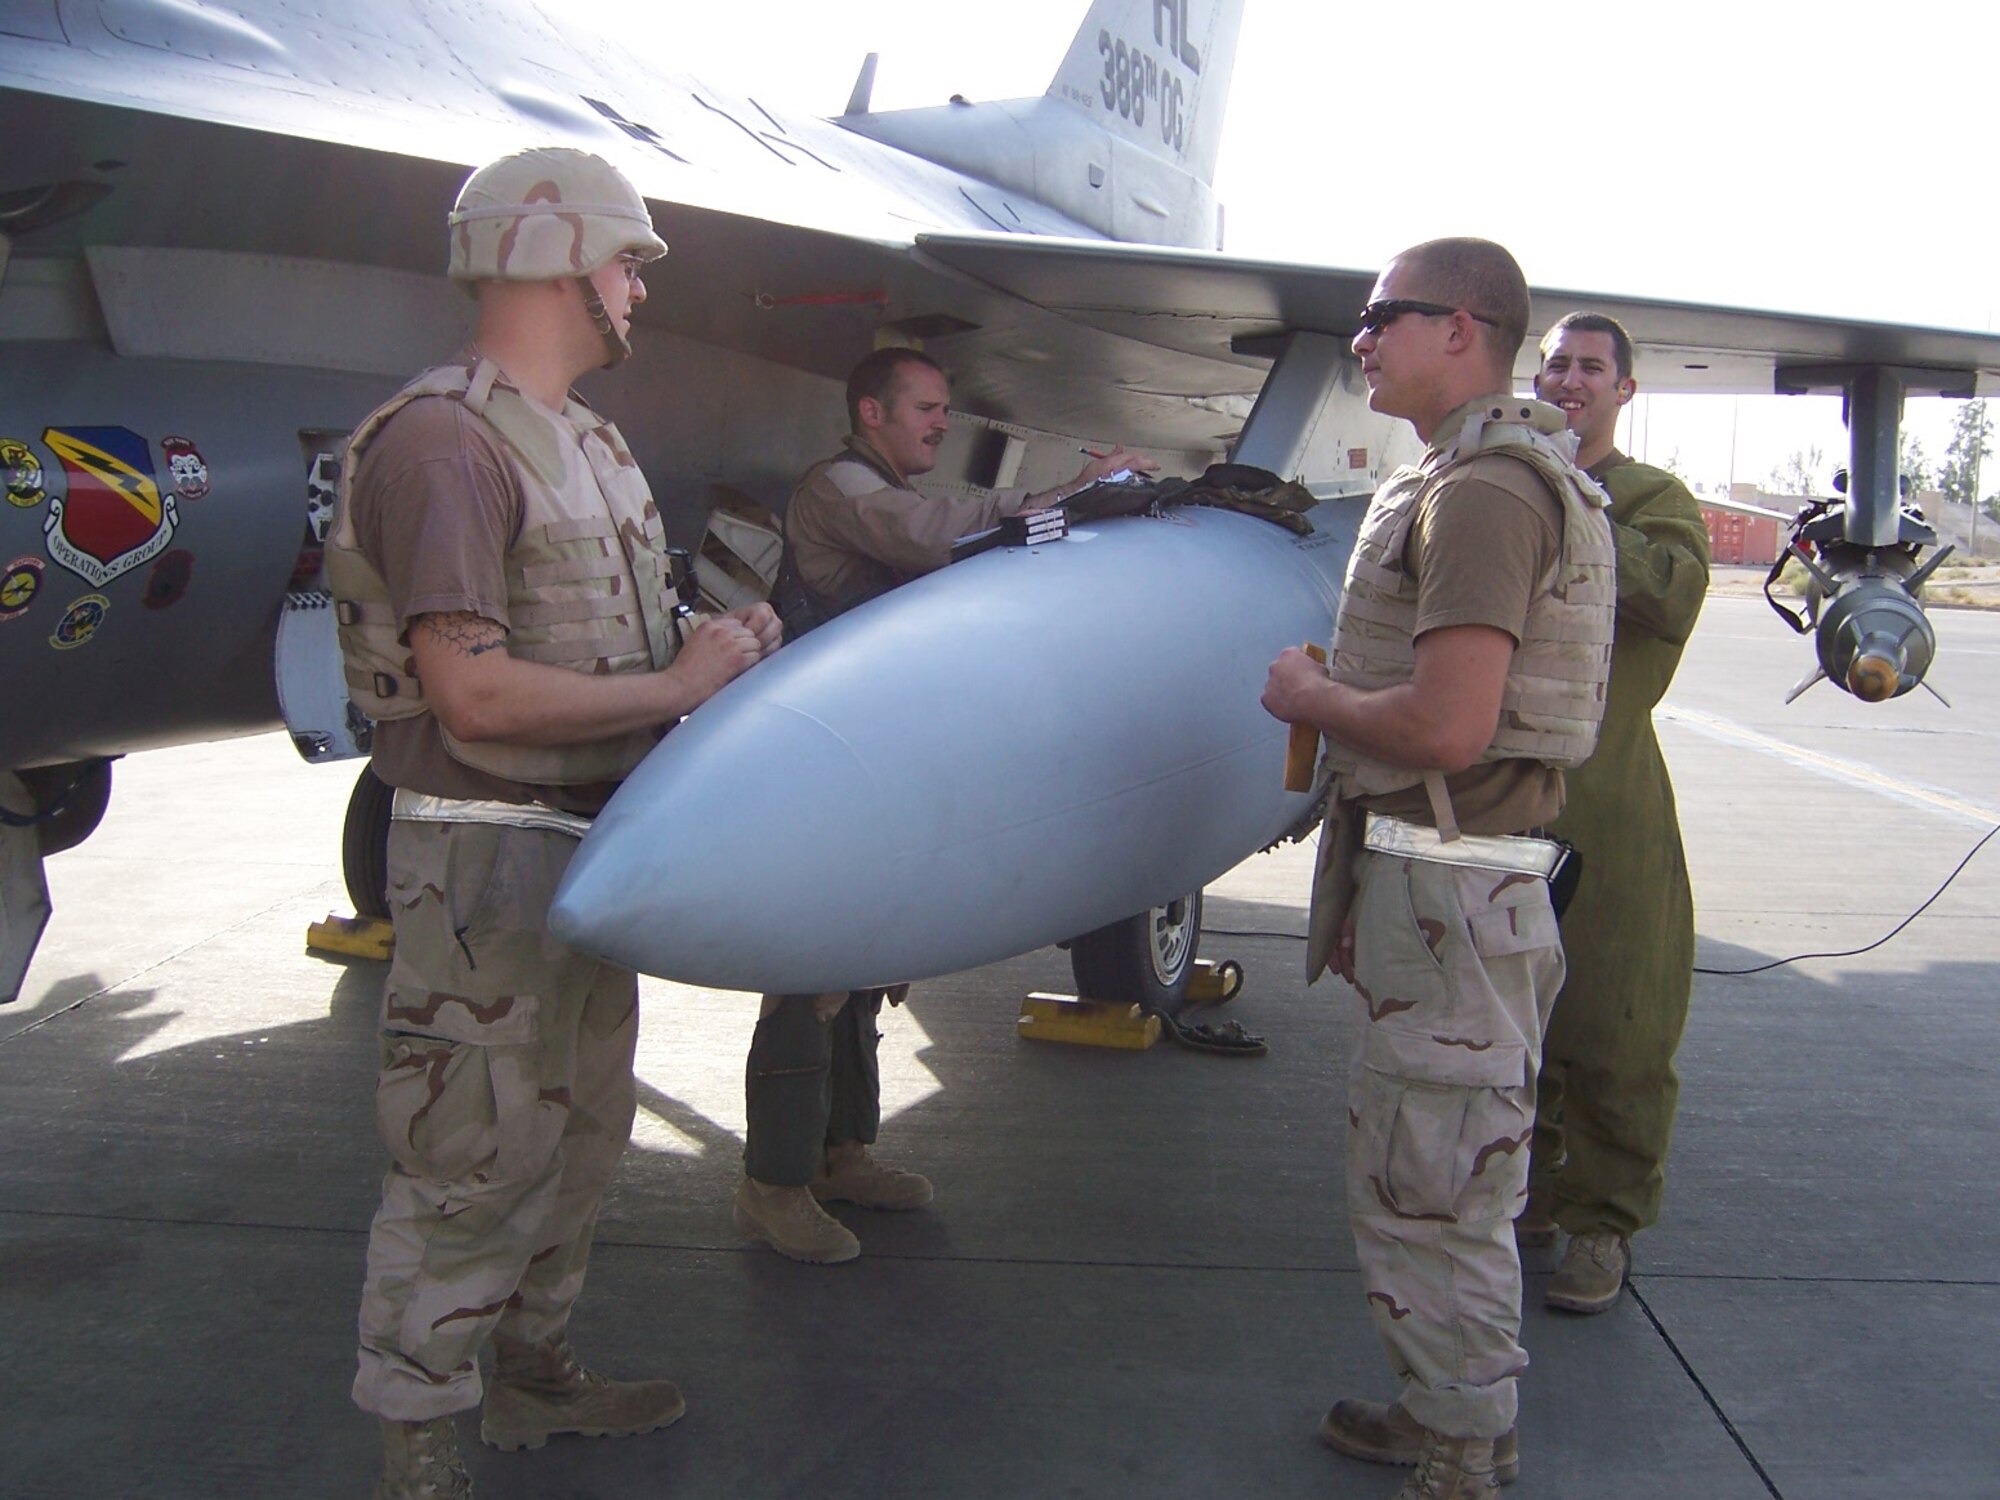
154,513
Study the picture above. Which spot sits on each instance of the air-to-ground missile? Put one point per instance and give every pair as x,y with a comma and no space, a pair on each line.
1020,748
1864,604
1863,554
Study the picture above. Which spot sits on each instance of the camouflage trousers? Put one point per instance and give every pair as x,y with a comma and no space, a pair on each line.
505,1098
1456,970
810,1084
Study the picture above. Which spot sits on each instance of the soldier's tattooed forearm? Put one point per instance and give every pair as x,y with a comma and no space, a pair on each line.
463,631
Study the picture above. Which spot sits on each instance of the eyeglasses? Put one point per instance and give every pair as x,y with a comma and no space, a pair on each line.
1377,316
634,267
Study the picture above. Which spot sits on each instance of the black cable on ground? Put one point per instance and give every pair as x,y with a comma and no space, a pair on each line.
1776,963
1870,947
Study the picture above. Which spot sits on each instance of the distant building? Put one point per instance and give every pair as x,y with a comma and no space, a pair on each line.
1743,537
1973,531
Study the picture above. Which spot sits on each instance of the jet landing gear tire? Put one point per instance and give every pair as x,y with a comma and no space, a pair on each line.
1145,959
364,845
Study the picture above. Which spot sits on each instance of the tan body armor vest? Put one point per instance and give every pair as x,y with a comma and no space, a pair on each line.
587,582
1554,697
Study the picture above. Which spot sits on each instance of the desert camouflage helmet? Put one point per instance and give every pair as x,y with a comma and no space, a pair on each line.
542,214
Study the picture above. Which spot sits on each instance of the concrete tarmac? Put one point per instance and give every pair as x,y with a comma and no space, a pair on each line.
1137,1279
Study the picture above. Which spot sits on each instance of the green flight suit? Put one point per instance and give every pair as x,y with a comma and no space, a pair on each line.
1607,1090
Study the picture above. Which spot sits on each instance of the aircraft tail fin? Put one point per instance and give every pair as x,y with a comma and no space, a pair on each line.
1123,143
1156,73
864,86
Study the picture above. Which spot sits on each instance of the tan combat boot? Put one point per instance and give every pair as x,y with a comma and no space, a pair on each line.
791,1222
1387,1434
420,1462
849,1174
1451,1468
1592,1274
539,1391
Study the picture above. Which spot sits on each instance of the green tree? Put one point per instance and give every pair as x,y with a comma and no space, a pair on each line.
1797,474
1971,444
1913,464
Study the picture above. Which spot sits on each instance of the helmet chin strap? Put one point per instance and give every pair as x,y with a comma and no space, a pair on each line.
614,341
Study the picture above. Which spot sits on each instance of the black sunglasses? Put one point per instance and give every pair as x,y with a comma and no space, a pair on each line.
1377,316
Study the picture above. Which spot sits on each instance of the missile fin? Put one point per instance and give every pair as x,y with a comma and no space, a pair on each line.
1817,674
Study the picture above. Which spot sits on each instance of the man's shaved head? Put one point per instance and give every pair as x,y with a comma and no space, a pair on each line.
1480,277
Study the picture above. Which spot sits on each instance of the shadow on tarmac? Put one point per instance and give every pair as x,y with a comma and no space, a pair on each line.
1137,1279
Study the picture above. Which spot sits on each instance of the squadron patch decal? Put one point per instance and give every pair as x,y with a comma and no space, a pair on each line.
168,581
21,472
188,467
80,622
112,517
19,585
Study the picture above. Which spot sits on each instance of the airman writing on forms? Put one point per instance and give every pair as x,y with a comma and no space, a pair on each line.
506,618
855,527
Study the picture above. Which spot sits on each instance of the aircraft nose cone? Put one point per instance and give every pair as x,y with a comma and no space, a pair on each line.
702,847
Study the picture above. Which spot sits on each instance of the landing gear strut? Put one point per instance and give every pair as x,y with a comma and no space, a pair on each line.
43,811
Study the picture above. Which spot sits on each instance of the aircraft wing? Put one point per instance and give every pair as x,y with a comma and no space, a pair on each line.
325,160
454,86
795,240
1745,508
1212,305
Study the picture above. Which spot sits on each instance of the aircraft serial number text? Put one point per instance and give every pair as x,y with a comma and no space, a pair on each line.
1133,78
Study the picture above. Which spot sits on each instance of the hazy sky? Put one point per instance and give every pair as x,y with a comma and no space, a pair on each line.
1753,154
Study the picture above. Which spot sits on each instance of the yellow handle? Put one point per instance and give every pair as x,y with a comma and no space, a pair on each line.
1302,750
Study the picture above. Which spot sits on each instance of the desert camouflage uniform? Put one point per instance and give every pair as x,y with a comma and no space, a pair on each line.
1456,972
1456,968
505,1095
505,1099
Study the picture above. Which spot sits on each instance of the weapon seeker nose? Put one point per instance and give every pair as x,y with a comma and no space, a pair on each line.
1874,639
1876,670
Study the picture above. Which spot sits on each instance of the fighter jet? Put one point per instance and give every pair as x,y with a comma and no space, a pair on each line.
219,248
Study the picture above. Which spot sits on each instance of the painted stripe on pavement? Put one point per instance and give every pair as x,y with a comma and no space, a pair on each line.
1831,766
